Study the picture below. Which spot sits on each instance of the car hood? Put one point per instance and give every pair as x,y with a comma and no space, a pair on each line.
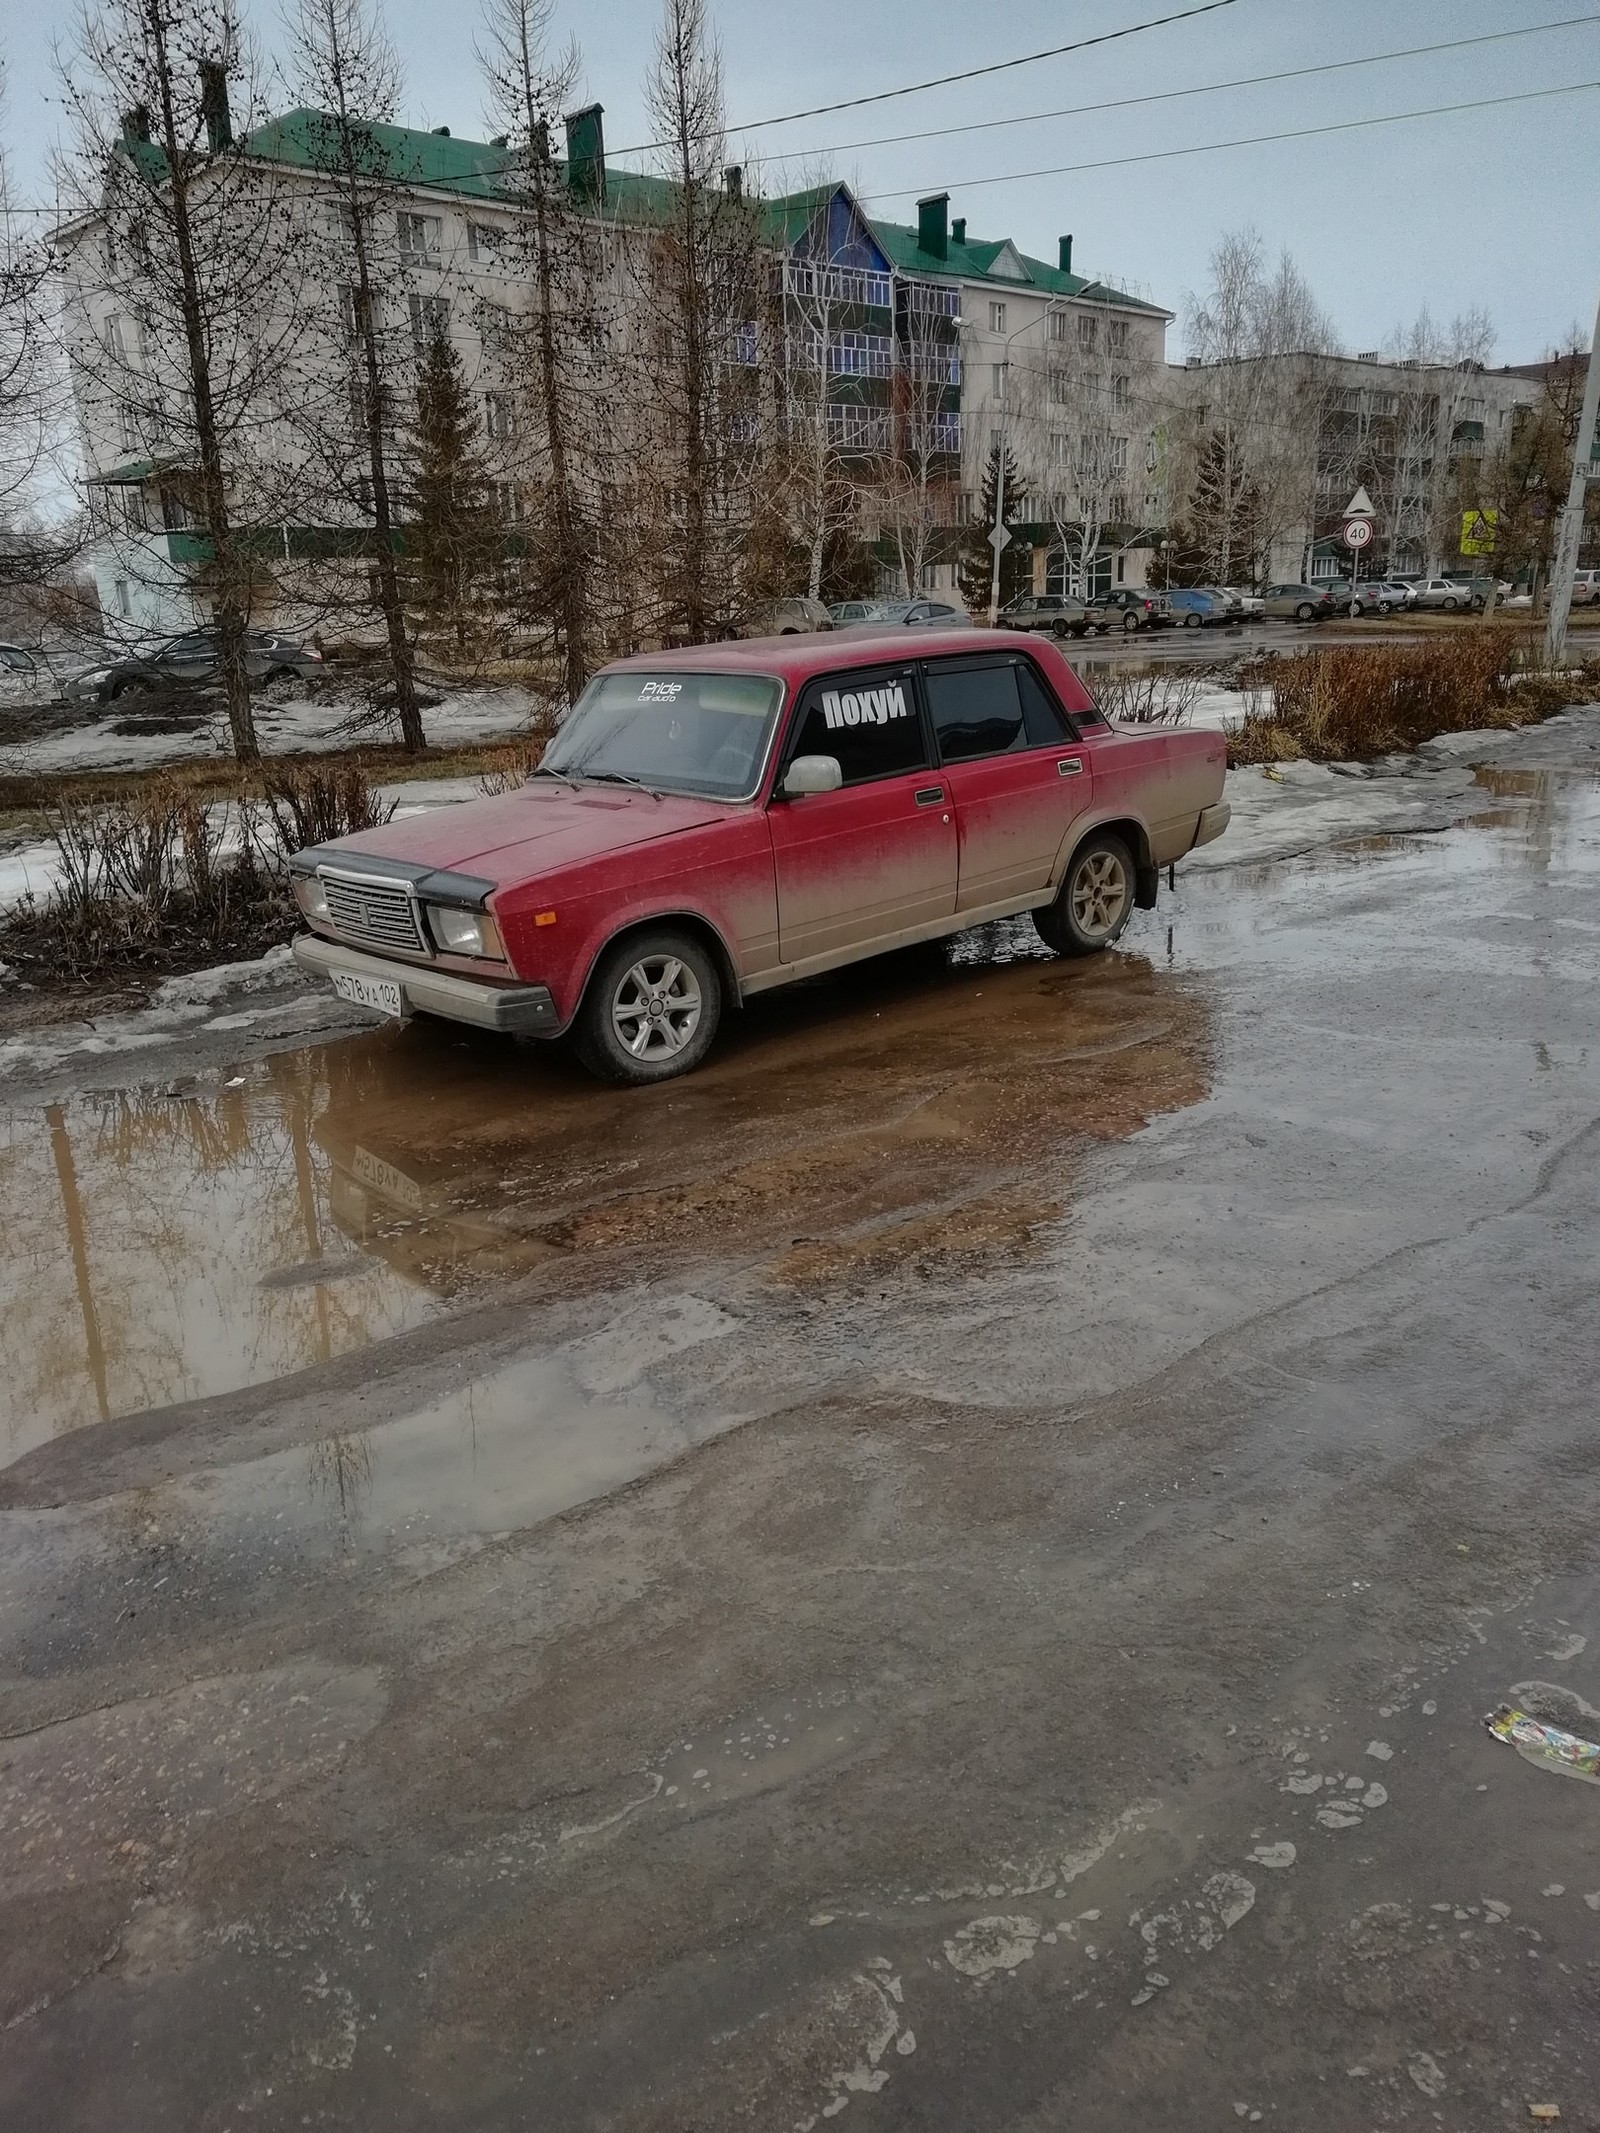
533,830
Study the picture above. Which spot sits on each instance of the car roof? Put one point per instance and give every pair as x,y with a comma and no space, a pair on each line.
796,659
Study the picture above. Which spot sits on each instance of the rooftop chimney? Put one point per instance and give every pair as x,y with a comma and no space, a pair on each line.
442,131
958,230
586,155
933,225
1066,255
136,123
733,182
214,105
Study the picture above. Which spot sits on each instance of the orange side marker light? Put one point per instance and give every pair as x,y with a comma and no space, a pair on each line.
544,918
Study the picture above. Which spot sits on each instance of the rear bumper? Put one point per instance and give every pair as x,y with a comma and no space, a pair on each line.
1213,821
520,1010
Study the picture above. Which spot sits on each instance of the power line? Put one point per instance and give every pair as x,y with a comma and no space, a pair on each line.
1163,96
1249,140
943,81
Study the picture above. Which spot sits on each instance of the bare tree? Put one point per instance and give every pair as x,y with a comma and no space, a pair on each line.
824,437
1435,409
556,342
346,71
1257,333
918,475
28,556
705,349
183,316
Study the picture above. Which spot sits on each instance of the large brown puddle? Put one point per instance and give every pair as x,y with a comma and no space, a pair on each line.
156,1248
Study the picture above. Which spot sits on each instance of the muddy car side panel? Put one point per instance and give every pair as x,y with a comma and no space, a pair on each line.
721,874
859,868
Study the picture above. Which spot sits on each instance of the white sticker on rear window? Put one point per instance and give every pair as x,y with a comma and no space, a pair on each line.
864,707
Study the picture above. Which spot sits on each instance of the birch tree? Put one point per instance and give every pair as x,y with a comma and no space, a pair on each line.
558,342
824,437
27,377
194,269
917,475
345,69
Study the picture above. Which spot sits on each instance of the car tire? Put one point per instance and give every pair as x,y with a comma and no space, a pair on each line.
1130,622
1192,621
1061,631
1095,900
1305,612
650,1010
1449,606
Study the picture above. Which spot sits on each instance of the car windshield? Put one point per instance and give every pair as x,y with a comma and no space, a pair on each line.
674,732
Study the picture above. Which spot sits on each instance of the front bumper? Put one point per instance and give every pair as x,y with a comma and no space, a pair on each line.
1213,821
520,1010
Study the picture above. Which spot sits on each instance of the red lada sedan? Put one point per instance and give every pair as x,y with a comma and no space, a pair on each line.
712,822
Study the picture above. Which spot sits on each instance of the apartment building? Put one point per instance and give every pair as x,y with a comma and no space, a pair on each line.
1308,429
926,345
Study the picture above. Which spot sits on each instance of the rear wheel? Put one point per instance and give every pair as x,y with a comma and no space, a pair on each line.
1130,621
1449,606
1304,612
1191,620
1095,900
651,1010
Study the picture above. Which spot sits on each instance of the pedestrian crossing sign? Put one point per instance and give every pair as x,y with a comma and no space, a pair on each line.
1478,532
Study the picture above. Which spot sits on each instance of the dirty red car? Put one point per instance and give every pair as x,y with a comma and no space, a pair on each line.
713,822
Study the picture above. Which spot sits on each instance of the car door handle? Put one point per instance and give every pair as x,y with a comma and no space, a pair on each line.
930,796
1069,766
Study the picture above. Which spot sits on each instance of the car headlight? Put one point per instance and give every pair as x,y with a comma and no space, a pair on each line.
94,679
465,932
311,896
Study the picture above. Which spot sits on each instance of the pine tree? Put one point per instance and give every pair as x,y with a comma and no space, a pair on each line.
453,542
975,569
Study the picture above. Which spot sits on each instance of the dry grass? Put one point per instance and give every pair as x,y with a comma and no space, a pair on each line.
1355,701
512,763
1153,696
163,879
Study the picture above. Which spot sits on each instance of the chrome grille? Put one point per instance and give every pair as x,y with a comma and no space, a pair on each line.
379,913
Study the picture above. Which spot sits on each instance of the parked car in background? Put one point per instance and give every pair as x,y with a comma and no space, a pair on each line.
1297,603
714,822
16,662
842,611
1479,587
1586,588
1373,596
1442,594
1193,608
1059,613
1249,601
190,659
788,618
1128,607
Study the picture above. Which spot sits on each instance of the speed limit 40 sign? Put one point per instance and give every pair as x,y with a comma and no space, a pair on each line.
1357,532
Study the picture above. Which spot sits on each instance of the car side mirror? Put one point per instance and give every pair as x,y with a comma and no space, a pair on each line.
812,773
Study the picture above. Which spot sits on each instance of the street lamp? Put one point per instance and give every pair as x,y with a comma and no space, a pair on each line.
998,536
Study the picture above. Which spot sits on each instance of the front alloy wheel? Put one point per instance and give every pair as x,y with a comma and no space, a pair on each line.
1096,899
651,1009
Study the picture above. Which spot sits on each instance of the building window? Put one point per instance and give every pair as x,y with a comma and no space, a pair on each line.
997,318
499,415
998,375
1117,336
1060,326
1060,448
430,321
1088,332
508,502
350,309
1119,393
127,428
1119,455
122,594
421,239
485,241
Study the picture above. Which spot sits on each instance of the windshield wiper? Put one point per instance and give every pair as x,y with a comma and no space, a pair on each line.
620,777
548,770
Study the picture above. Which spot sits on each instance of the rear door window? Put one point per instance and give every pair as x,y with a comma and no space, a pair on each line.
867,721
976,707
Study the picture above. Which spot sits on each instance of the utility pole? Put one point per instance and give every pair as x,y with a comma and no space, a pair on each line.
1585,469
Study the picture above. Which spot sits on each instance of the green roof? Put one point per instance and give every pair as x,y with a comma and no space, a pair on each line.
472,170
973,260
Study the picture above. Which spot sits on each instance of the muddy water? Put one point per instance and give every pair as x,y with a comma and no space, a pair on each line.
157,1248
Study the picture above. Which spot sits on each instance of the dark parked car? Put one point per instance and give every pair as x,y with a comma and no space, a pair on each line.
1129,607
1058,613
15,663
191,658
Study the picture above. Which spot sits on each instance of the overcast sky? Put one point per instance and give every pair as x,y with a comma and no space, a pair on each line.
1492,206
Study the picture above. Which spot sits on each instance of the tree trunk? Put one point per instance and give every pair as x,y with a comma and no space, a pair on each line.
571,592
232,589
401,664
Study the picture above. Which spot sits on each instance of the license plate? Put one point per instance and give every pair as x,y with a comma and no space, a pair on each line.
382,994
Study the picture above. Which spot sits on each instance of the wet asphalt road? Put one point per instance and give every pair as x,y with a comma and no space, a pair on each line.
943,1572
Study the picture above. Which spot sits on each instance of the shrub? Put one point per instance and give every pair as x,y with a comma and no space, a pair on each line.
512,764
1367,700
1163,696
310,803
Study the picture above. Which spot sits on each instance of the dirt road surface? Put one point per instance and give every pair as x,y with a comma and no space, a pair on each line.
944,1572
